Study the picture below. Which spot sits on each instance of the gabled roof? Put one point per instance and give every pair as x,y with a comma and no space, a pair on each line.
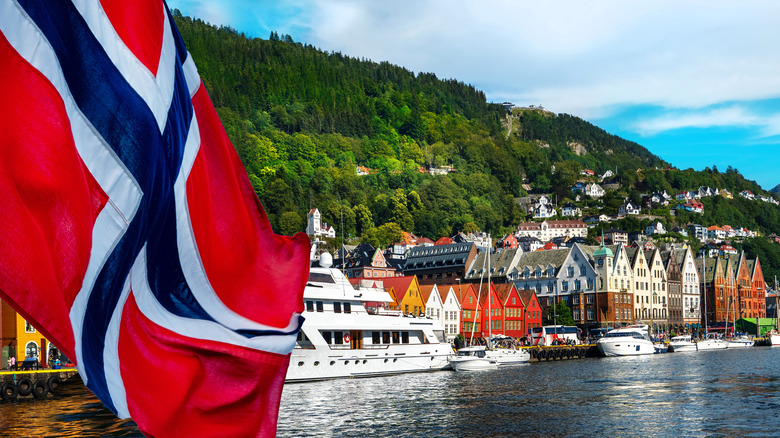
501,263
444,241
426,290
399,284
503,291
553,257
526,296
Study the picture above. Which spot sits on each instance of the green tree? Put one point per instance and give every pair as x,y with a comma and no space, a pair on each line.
558,313
290,222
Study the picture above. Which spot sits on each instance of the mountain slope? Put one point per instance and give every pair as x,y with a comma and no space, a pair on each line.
303,119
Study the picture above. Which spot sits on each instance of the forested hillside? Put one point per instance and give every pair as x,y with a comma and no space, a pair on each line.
302,119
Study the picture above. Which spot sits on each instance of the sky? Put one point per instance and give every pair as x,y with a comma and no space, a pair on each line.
695,82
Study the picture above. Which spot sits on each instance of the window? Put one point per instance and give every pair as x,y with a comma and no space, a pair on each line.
327,337
397,338
570,271
385,337
337,307
590,314
376,338
31,349
28,328
405,337
589,300
310,306
347,308
319,306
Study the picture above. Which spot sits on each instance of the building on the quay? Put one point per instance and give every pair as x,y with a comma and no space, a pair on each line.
691,288
614,286
21,339
440,264
451,312
673,290
734,288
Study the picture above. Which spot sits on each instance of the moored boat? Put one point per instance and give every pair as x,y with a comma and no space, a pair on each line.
473,358
626,341
741,341
348,333
505,352
682,343
712,341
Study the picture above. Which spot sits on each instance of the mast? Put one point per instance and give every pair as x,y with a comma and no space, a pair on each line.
490,325
777,314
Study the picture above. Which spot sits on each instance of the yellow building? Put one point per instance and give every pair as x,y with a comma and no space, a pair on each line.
405,291
19,337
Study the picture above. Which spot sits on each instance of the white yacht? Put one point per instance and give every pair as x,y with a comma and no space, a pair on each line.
626,341
682,343
504,352
774,338
347,333
473,359
713,341
741,341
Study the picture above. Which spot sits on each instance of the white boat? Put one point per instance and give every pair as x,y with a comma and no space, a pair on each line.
473,359
713,341
626,341
741,341
682,343
505,352
342,337
774,339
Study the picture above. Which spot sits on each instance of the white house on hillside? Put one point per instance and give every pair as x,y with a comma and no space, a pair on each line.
316,227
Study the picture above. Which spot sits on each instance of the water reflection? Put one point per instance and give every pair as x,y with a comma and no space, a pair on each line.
719,393
725,393
72,412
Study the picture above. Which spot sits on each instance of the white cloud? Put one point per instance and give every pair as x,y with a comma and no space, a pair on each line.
571,56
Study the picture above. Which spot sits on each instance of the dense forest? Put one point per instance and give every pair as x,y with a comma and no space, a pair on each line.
302,119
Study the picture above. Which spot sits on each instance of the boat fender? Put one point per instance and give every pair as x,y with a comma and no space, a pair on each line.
25,386
10,391
346,338
54,383
40,389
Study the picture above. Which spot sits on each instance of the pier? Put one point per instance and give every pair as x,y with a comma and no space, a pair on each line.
33,383
562,352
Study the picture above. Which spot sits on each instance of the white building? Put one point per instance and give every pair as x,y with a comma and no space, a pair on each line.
690,286
547,230
316,227
594,190
451,310
655,228
543,208
571,210
628,208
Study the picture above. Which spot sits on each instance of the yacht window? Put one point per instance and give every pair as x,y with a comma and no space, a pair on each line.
375,339
396,337
337,307
338,338
405,337
327,337
319,306
318,277
310,306
347,308
385,337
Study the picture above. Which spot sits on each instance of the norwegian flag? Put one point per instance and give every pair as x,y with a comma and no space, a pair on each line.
131,236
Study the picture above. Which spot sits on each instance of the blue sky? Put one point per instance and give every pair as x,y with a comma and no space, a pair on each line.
696,82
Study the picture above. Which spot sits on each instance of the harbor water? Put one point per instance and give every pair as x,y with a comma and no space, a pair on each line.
715,393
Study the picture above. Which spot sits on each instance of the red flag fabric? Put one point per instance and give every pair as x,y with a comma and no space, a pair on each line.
133,239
